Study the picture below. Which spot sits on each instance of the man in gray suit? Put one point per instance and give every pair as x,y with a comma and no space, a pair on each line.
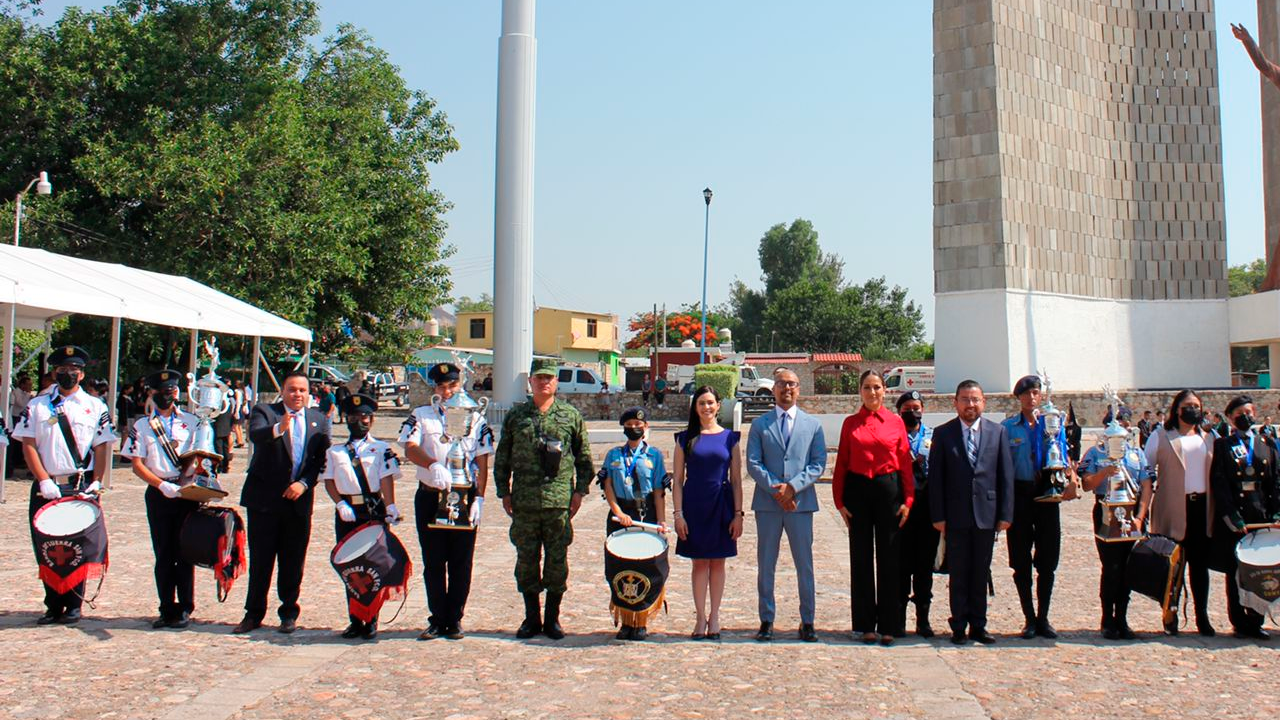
786,453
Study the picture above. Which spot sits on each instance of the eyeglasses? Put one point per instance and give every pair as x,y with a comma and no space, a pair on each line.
787,383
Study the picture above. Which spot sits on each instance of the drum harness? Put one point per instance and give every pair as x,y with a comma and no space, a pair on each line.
82,466
375,508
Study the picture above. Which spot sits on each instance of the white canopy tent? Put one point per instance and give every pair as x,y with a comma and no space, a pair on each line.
37,287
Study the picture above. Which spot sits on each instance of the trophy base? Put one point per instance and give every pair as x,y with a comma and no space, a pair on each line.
445,524
203,489
454,510
1051,497
1113,522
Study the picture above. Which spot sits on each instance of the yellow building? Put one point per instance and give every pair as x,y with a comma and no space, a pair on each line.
574,335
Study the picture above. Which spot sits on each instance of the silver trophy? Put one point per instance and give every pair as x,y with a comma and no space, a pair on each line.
460,414
212,397
1053,475
1116,523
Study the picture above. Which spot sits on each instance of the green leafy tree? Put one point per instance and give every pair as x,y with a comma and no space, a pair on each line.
210,138
465,304
1246,279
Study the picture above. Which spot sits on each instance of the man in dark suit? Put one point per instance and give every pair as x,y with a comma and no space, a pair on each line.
970,499
289,444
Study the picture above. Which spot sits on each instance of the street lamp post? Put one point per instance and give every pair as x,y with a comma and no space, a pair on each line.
773,335
43,187
706,234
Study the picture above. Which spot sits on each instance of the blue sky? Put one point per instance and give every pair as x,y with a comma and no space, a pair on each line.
820,109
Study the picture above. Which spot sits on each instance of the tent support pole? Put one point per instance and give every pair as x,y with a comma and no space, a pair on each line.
44,357
306,358
113,382
193,363
257,359
4,393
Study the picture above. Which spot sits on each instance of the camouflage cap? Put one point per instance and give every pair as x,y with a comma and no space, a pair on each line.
542,366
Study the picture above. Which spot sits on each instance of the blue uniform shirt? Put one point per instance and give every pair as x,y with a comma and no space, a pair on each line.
920,442
1028,447
644,468
1135,461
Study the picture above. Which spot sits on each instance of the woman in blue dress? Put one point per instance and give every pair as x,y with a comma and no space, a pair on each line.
707,493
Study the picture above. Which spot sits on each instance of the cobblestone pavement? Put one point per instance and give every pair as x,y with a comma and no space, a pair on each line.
114,666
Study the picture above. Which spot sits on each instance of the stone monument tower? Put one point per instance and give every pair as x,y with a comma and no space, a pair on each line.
1078,201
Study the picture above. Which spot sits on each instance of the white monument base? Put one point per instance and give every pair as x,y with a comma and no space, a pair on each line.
997,336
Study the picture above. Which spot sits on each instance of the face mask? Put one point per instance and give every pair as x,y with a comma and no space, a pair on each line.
1190,414
164,402
357,429
1243,422
66,381
633,433
911,418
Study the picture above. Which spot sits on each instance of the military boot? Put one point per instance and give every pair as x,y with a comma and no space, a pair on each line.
532,624
551,623
923,629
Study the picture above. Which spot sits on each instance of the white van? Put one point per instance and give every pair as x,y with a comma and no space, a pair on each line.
581,380
901,379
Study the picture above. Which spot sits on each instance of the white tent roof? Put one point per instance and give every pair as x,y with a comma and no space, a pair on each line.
44,285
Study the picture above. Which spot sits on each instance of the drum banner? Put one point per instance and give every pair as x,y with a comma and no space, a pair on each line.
637,588
1258,570
214,537
232,558
67,561
380,574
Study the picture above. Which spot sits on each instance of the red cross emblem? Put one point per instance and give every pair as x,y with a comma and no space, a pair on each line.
61,554
361,582
911,381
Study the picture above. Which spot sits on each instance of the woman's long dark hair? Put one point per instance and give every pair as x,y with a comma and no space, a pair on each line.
694,429
1172,423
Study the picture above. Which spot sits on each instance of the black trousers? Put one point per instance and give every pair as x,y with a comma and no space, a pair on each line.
276,538
175,579
873,550
1195,546
1035,541
1113,586
57,603
919,548
446,562
969,553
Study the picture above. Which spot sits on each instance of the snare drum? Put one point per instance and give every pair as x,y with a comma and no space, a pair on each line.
374,567
70,540
213,537
636,568
1258,569
1155,569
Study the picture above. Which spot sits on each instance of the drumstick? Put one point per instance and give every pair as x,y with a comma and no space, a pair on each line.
648,526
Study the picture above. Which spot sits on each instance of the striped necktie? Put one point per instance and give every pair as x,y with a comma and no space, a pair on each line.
971,445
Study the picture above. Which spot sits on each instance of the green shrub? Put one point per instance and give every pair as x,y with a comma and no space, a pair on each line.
724,378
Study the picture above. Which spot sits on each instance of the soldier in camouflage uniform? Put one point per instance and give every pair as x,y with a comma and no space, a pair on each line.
541,471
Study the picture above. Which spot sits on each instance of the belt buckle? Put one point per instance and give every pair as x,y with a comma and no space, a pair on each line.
356,499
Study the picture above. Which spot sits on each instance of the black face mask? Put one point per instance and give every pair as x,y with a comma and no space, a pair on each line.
1190,414
633,433
66,381
1243,422
912,418
164,402
357,429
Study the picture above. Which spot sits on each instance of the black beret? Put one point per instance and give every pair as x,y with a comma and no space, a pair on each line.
68,355
908,396
443,372
359,403
633,413
164,379
1025,383
1236,402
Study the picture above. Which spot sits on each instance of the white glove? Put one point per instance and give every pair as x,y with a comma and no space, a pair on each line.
92,488
476,509
393,514
168,489
438,477
346,512
49,489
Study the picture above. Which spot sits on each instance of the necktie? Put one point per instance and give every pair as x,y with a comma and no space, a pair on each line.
971,445
297,438
786,429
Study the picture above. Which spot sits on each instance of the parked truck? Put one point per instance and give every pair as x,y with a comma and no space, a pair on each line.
749,382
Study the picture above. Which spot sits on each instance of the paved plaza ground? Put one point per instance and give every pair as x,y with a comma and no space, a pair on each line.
112,665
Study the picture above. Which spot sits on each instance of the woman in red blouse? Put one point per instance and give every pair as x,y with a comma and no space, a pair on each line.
873,491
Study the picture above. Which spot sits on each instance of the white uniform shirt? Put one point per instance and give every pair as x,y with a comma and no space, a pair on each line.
90,426
143,443
378,459
425,427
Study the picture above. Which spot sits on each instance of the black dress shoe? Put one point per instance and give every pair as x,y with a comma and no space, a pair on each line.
639,633
624,633
1029,630
1125,632
923,629
528,629
1205,629
182,620
869,638
1111,633
247,624
983,637
370,631
455,632
958,638
160,623
1252,634
353,631
431,633
807,632
287,626
48,618
1045,630
70,617
765,633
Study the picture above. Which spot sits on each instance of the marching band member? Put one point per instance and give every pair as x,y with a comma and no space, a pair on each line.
446,553
1246,492
154,446
1095,471
67,438
360,477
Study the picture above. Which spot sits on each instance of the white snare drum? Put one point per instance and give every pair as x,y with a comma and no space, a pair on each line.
1258,570
70,517
635,543
358,544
